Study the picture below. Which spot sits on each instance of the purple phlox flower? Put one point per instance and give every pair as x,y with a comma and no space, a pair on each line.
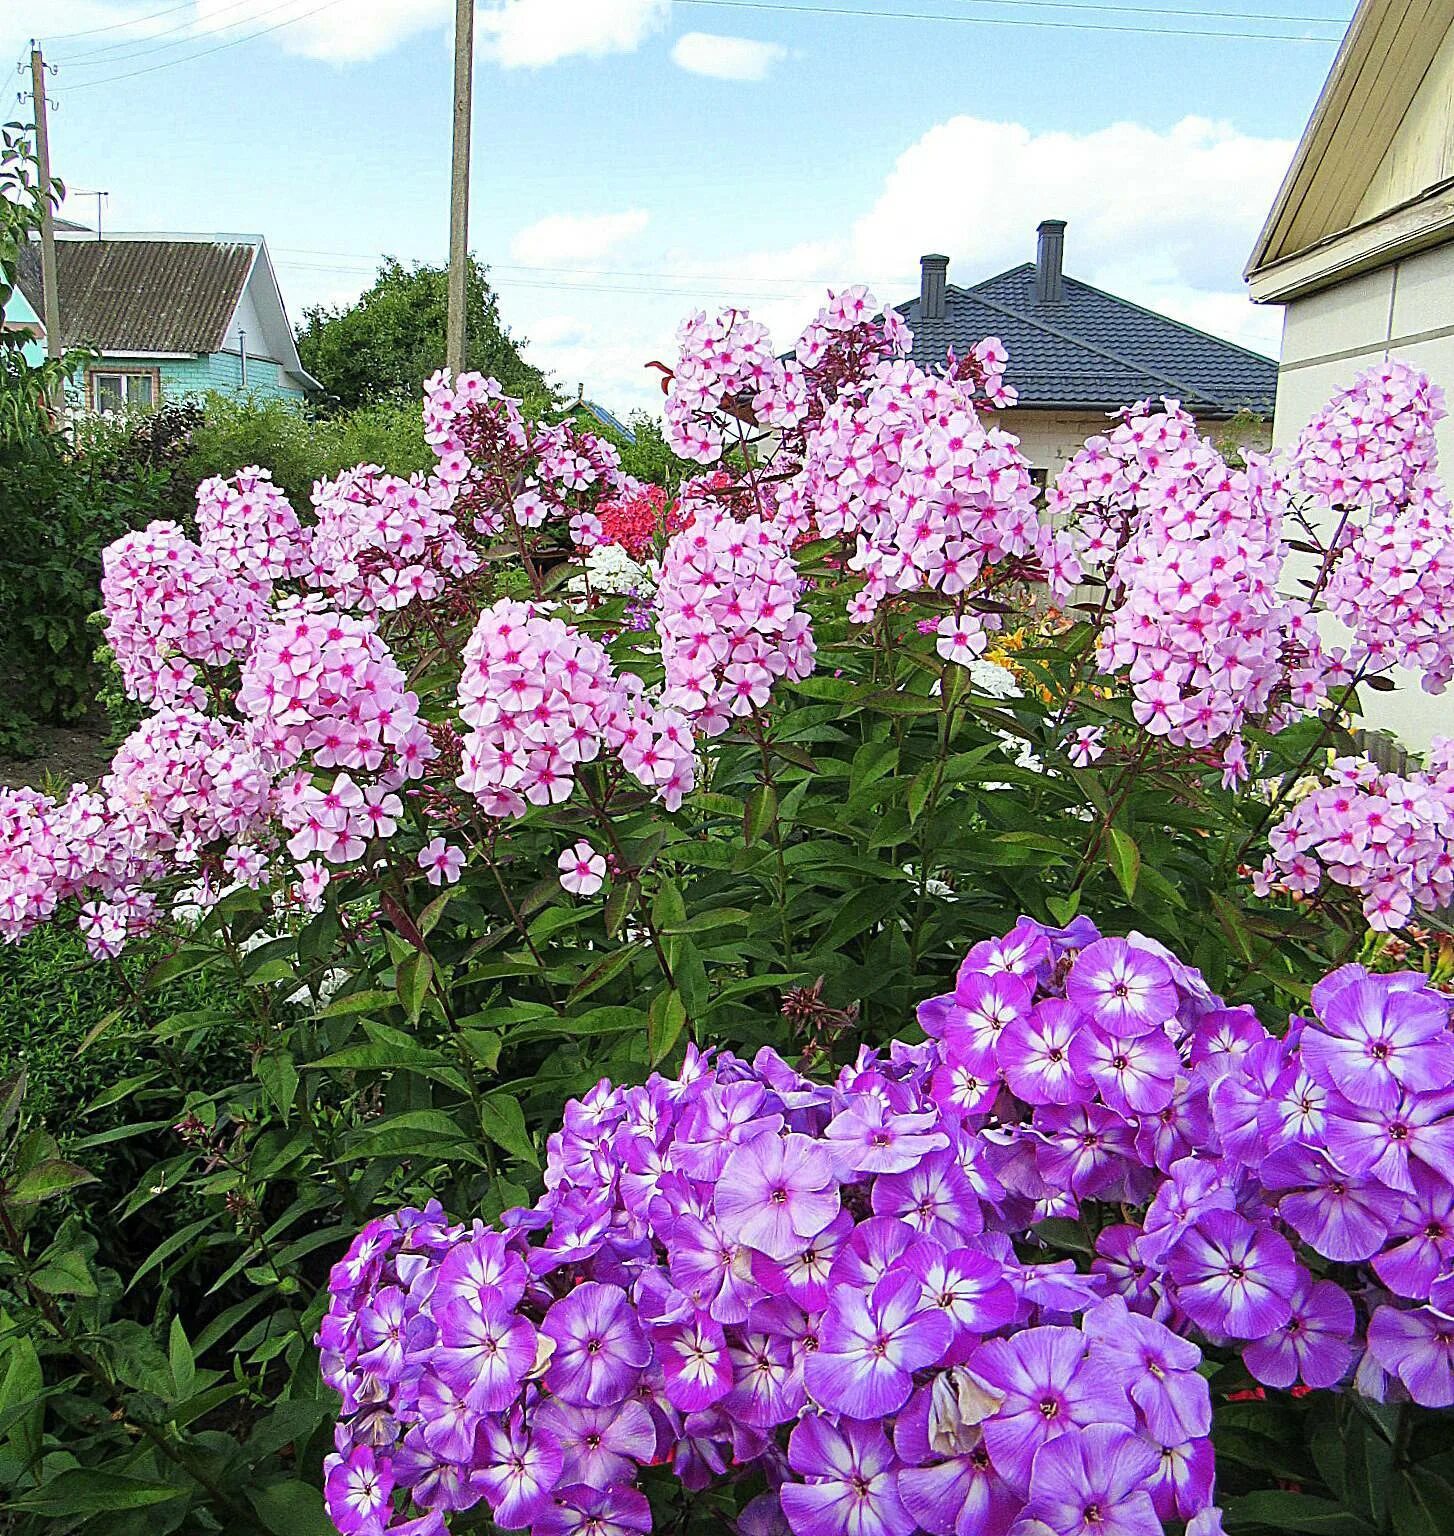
774,1192
851,1485
725,1116
763,1516
794,1090
714,1271
968,1286
1179,1127
1378,1041
1134,1073
1161,1368
867,1137
1206,1522
1223,1038
699,1457
1084,1147
486,1269
1125,989
978,1010
1232,1278
1418,1348
1034,1053
1021,951
357,1489
1054,1290
582,1511
599,1345
382,1325
1095,1483
1195,1187
767,1387
694,1360
598,1445
658,1302
804,1275
868,1253
517,1469
870,1344
449,1421
1118,1259
1425,1222
434,1480
962,1496
934,1198
1314,1345
1344,1219
1185,1476
959,1088
1386,1144
1299,1109
1244,1102
483,1355
1047,1386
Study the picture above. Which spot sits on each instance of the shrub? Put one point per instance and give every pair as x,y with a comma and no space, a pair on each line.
467,834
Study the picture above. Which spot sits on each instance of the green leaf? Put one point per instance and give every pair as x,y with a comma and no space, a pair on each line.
45,1180
1063,908
90,1491
291,1509
370,1001
168,1246
667,1018
759,813
379,1056
503,1121
668,910
483,1045
619,904
64,1274
1293,1512
279,1078
184,1366
430,916
412,984
21,1396
12,1091
1125,859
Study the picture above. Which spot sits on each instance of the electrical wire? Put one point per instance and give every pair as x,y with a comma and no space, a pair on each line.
139,47
131,21
1200,13
203,53
780,7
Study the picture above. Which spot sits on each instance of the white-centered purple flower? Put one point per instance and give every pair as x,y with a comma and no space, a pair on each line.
1233,1278
775,1191
849,1486
600,1348
1125,989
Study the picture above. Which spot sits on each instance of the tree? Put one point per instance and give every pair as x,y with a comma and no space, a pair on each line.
392,337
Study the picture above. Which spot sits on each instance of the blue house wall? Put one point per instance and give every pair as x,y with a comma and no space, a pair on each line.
189,377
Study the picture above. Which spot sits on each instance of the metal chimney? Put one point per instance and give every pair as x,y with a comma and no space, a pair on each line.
933,279
1050,262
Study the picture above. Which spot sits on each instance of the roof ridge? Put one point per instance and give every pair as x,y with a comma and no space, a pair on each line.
1184,392
1181,325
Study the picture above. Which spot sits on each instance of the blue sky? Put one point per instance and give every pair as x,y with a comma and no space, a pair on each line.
636,159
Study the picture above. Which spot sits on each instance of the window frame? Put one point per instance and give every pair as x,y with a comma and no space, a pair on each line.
102,371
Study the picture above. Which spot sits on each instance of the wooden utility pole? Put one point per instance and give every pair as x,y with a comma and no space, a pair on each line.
51,302
456,335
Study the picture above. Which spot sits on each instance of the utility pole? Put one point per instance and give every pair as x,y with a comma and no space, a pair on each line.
459,195
52,299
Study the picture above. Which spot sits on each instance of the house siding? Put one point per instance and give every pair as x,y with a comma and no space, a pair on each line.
183,378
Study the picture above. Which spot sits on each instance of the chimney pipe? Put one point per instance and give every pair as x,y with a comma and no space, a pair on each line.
933,279
1050,262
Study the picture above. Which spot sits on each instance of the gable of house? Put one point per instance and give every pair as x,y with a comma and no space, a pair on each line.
1373,175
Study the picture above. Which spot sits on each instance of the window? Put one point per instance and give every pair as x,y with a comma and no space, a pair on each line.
123,389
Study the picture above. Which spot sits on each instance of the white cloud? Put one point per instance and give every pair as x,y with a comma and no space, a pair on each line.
565,237
355,31
529,33
726,58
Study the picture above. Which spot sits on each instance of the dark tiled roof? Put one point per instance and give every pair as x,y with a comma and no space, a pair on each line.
1093,350
142,295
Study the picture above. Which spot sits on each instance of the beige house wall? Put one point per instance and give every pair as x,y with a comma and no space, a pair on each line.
1051,439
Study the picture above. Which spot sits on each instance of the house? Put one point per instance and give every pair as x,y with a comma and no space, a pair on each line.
170,316
1079,354
594,418
1359,245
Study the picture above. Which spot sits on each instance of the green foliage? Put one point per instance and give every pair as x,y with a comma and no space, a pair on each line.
392,338
301,448
647,457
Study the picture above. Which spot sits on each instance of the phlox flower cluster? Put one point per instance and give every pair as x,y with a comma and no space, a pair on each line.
248,525
728,618
1370,458
744,1272
508,472
1191,552
902,465
541,698
382,542
1387,836
638,519
726,366
171,605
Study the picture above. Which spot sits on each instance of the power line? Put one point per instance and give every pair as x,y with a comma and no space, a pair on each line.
780,6
131,21
139,47
235,42
1200,13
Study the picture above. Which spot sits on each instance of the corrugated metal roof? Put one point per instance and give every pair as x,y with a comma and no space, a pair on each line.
606,418
1093,351
127,295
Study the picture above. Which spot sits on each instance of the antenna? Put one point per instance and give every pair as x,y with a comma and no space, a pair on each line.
99,196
